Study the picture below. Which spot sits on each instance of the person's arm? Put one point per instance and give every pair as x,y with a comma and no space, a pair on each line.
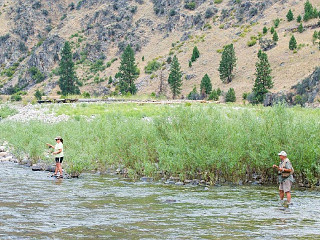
50,146
57,152
285,169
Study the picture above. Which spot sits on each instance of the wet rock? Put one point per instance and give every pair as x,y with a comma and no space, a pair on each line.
170,201
26,162
51,168
170,182
146,179
179,183
195,182
6,159
37,168
174,178
187,181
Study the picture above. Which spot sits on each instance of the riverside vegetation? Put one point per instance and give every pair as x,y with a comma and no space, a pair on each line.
216,143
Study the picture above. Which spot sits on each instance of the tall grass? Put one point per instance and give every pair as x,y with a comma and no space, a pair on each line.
213,142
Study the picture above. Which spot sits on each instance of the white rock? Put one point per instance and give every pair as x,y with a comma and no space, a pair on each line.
3,154
2,148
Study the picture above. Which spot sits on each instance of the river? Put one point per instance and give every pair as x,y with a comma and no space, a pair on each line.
35,206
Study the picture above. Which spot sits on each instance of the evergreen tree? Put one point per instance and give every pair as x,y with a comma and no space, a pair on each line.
308,11
290,16
68,78
292,43
265,30
231,95
299,18
38,94
206,85
227,63
195,54
272,30
263,80
275,37
300,28
175,77
128,72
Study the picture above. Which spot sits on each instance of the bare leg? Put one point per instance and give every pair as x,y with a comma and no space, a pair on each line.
288,197
281,193
60,168
56,169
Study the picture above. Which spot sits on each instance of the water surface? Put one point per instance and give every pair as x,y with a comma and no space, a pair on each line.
35,206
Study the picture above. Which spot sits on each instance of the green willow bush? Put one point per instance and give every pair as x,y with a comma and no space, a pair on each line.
217,143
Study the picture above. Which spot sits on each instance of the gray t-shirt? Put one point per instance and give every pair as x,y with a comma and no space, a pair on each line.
287,165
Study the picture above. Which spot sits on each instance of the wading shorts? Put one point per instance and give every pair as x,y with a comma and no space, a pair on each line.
285,186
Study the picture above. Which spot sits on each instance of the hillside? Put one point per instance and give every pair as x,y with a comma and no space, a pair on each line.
32,34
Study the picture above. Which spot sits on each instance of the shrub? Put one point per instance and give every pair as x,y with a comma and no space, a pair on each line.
36,74
194,95
272,30
289,15
190,5
276,22
86,95
252,42
265,30
299,19
214,95
16,98
172,12
231,95
292,43
300,28
218,1
152,66
209,13
38,94
97,66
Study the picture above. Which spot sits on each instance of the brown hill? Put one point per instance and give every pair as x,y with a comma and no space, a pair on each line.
33,32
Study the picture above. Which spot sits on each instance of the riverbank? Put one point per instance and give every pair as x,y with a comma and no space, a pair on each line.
212,143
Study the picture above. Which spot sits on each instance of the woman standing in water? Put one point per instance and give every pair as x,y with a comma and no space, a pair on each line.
58,152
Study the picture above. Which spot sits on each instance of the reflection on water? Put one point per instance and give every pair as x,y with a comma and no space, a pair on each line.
35,206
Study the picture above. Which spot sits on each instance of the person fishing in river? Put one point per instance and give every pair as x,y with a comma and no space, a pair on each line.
285,175
58,152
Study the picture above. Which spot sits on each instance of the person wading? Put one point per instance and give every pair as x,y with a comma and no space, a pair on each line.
285,171
58,152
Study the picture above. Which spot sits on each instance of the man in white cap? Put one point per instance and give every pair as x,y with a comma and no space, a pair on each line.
285,171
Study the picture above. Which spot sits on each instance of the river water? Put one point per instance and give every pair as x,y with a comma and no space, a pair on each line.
35,206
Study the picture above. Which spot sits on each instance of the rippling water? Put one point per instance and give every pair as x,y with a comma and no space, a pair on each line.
36,206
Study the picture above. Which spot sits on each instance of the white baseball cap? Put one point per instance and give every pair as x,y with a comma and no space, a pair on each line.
282,153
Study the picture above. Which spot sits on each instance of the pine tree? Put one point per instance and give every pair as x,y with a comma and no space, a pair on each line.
275,37
68,78
292,43
263,80
290,16
195,54
299,18
128,72
231,95
206,85
175,77
38,94
265,30
227,63
272,30
308,11
300,28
